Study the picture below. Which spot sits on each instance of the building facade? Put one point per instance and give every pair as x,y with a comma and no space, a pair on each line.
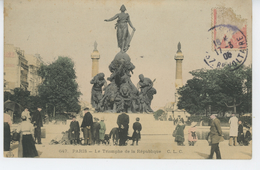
34,63
15,68
20,70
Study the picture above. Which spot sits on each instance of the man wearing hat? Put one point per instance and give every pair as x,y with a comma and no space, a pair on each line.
86,126
122,122
216,137
37,122
137,128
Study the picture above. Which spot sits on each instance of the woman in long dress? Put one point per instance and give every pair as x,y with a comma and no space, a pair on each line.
123,34
180,134
27,144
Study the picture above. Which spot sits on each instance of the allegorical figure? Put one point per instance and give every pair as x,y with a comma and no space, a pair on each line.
123,35
96,94
146,94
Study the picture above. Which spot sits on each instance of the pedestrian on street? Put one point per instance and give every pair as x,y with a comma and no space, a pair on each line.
96,127
26,146
37,122
102,130
240,135
123,125
7,131
86,126
233,131
74,131
179,138
192,134
137,128
216,137
248,136
26,113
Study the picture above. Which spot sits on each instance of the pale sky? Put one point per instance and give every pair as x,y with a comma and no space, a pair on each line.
55,28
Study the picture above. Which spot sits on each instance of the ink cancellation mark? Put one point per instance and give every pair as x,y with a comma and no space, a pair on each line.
230,50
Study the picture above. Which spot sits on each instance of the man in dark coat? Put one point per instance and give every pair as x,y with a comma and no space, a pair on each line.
37,122
216,137
122,122
86,126
137,128
96,127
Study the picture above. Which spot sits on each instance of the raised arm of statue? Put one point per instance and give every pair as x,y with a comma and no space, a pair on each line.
112,19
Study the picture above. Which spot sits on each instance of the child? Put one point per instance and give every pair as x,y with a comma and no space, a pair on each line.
74,131
248,137
137,128
240,135
192,134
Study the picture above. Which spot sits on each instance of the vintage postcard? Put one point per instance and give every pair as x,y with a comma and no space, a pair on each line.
150,79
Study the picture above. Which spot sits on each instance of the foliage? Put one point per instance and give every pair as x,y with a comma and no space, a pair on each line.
157,114
59,88
221,89
24,98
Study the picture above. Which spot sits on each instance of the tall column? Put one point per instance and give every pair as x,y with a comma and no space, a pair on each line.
178,77
95,57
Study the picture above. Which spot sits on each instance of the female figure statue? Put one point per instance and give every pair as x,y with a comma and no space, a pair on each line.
123,35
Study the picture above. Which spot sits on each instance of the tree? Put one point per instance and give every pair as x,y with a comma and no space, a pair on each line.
220,89
59,88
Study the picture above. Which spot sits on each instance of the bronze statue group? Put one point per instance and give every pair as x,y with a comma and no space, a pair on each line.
121,95
94,131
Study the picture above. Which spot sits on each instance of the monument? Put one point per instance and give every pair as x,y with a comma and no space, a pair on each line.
178,77
95,57
179,83
121,95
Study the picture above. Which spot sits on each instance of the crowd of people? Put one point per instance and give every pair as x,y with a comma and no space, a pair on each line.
215,136
94,132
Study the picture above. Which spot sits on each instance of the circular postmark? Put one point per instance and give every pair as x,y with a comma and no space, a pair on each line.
229,47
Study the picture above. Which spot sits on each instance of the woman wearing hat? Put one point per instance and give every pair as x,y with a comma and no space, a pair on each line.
192,134
27,144
180,133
